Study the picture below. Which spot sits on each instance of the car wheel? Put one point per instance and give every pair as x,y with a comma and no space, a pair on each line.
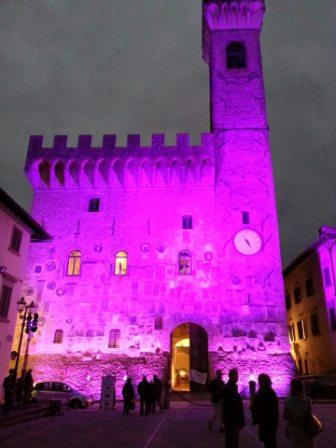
75,404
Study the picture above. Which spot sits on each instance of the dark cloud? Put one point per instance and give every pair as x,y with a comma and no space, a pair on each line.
121,66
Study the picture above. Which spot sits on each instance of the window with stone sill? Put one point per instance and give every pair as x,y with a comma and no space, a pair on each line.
120,264
58,336
94,205
301,329
15,242
6,293
309,287
74,263
315,327
184,263
297,295
187,223
288,301
236,56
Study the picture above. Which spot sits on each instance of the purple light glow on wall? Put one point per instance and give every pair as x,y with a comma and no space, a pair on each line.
229,281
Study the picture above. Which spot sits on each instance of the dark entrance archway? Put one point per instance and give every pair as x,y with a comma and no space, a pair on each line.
189,357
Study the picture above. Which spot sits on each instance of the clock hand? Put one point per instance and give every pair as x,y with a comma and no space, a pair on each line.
247,241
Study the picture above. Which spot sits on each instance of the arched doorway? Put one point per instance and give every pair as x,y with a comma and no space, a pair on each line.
189,357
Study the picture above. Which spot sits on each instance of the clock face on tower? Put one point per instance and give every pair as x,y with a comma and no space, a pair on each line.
247,242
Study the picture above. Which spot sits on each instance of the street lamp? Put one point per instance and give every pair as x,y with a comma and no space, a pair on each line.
29,317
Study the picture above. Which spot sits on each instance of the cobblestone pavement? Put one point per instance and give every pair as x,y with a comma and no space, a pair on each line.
184,426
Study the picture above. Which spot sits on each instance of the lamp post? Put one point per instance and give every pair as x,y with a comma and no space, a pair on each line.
29,319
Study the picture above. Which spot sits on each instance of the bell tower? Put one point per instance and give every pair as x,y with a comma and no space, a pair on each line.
231,47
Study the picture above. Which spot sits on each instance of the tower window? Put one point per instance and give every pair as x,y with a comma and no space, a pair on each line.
120,265
74,263
15,242
114,338
187,222
58,337
236,56
327,278
246,217
184,262
332,316
158,323
94,205
5,300
291,330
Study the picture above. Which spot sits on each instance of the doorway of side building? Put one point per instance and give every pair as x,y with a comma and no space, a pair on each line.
189,357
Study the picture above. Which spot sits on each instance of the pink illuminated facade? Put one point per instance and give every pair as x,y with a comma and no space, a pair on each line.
146,239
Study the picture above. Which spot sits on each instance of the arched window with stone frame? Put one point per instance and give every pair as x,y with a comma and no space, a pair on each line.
74,263
120,264
184,262
236,56
114,338
58,336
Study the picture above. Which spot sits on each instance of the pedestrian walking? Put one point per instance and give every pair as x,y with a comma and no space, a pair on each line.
144,395
158,392
297,408
233,411
19,389
9,392
265,411
151,397
166,393
216,389
128,396
27,387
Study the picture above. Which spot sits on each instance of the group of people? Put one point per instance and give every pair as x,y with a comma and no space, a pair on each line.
17,391
264,407
150,395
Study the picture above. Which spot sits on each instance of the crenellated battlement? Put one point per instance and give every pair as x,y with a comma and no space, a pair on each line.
89,166
109,142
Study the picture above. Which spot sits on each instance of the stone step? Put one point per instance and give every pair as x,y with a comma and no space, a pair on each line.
24,415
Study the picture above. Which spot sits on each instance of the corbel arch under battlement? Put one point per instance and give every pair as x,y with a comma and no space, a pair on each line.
132,172
73,169
146,172
176,171
44,173
161,172
59,173
117,172
89,168
104,171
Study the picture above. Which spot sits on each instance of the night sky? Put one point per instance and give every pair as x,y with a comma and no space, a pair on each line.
134,66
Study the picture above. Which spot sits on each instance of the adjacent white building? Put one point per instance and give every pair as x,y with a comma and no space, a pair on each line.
17,230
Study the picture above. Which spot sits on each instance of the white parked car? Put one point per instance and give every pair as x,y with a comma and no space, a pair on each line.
55,390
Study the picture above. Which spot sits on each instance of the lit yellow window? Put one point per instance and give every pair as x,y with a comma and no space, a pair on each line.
120,265
74,263
184,263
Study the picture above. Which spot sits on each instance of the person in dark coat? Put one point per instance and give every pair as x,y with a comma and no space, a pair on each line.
265,411
128,395
9,384
233,411
151,397
158,392
144,395
27,387
216,388
19,388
